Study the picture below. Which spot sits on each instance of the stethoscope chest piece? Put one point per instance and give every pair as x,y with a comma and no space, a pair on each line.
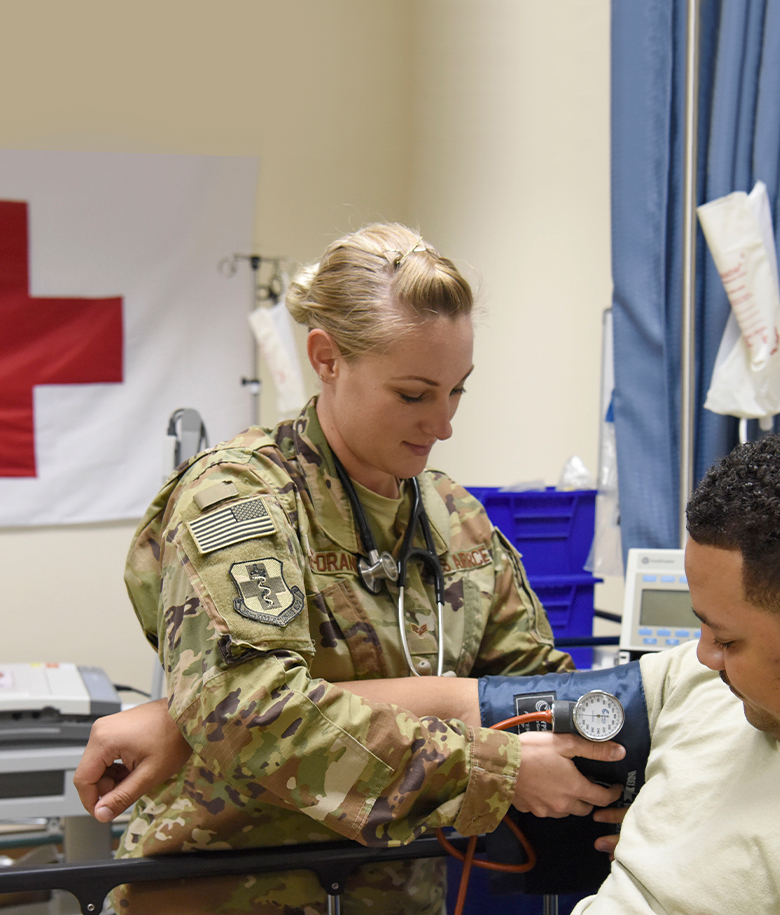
378,568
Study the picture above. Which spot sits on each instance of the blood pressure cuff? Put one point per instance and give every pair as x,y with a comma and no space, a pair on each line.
567,862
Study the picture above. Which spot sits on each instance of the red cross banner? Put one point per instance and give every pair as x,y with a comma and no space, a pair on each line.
113,315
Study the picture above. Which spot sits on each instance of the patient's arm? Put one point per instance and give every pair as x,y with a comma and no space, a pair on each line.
441,697
152,749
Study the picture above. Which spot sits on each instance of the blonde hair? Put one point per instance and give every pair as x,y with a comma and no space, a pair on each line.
374,285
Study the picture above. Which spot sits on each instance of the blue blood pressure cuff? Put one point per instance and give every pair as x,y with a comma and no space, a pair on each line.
567,862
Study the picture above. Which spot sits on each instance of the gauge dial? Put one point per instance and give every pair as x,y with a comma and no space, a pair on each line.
598,715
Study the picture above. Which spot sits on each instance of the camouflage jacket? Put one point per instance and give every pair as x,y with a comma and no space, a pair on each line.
243,576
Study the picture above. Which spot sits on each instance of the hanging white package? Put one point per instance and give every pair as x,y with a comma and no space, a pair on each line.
272,328
746,377
606,554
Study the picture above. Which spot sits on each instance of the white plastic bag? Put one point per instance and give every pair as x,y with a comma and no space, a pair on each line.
746,377
272,328
575,475
606,554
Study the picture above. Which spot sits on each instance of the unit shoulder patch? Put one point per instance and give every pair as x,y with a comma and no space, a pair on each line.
235,523
264,595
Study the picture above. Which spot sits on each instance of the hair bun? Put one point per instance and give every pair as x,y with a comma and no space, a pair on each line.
298,299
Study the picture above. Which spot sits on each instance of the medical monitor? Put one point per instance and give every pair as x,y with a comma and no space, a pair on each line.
657,610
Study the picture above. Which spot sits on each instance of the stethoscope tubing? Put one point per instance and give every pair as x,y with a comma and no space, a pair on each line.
429,560
377,568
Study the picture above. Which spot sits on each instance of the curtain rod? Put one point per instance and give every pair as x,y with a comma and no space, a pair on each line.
688,337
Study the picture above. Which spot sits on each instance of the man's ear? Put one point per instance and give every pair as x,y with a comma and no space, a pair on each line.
323,354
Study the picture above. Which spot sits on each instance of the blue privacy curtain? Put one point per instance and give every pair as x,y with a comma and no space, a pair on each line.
738,143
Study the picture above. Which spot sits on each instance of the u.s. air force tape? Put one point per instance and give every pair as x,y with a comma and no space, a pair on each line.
233,524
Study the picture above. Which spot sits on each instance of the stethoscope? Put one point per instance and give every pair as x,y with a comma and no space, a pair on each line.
381,567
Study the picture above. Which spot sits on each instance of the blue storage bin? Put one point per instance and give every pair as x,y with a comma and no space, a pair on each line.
552,529
568,600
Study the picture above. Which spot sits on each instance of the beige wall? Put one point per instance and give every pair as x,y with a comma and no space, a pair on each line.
485,123
512,173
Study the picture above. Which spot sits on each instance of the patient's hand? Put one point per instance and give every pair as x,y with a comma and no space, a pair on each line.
149,748
614,815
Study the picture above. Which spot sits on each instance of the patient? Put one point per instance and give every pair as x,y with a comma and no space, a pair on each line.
702,835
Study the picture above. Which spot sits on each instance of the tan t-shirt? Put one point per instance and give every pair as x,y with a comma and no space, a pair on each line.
702,838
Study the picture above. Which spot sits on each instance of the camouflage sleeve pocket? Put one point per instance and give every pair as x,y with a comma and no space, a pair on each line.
245,563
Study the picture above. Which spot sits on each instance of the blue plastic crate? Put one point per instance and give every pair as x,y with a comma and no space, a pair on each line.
582,657
568,600
552,529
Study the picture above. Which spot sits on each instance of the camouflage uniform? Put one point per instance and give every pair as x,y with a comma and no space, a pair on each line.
243,575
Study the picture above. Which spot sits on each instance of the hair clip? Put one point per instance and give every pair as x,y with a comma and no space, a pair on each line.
419,245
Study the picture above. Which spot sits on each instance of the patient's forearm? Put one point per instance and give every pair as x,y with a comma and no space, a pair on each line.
442,697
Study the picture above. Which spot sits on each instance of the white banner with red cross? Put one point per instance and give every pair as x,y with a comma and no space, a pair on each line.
113,315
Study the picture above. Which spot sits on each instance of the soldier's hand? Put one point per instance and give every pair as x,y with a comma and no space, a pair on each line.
127,755
550,785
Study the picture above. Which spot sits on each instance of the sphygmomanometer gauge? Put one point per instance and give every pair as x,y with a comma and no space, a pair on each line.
597,715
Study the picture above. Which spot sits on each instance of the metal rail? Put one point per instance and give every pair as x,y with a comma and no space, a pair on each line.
332,862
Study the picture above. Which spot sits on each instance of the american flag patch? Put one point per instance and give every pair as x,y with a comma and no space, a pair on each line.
234,524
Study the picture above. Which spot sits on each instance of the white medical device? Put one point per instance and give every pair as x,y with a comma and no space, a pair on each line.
657,610
44,704
46,713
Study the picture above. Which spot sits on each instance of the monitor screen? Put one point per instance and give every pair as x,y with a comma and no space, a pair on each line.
667,608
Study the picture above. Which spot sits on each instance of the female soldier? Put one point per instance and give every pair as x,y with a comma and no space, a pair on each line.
245,576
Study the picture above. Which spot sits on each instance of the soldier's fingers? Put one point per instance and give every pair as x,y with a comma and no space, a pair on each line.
580,808
601,796
608,751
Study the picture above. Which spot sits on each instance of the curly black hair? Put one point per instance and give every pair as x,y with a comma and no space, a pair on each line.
737,507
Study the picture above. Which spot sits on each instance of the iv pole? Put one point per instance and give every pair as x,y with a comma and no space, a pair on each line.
270,291
253,382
